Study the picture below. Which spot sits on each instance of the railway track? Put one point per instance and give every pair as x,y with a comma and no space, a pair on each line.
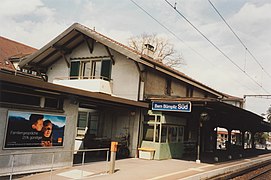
261,171
263,175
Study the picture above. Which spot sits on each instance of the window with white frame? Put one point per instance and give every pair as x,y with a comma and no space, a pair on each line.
91,69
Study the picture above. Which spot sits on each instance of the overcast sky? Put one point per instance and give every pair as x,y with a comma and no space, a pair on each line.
36,22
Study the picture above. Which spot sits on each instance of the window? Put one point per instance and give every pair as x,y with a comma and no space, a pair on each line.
82,120
169,133
82,124
157,133
86,69
164,134
96,69
93,123
91,69
16,98
53,103
148,131
87,123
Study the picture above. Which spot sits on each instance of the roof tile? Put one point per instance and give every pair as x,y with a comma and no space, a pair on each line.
11,49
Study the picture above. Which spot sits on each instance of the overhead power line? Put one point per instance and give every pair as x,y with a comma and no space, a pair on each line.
239,39
171,32
216,47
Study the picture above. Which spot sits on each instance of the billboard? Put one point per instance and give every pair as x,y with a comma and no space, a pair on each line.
28,129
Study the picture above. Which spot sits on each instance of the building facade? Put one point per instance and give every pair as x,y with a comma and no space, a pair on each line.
106,92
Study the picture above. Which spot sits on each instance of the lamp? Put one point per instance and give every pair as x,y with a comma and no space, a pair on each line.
204,116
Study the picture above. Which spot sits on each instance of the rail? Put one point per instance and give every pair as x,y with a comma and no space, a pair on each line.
243,171
262,173
13,172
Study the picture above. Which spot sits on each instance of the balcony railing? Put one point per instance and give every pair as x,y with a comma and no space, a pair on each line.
11,169
83,77
89,83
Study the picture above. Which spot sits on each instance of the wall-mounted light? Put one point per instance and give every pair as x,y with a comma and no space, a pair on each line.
204,116
133,113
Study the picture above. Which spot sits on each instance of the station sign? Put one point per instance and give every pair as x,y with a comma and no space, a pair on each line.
172,106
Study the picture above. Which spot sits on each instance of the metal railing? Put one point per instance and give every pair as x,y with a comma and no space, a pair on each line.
52,166
82,77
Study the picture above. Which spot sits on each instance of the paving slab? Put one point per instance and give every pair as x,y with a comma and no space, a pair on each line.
134,169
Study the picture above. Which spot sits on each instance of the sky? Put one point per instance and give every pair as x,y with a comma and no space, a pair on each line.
230,68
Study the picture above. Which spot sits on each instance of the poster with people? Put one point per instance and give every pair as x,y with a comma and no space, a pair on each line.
27,129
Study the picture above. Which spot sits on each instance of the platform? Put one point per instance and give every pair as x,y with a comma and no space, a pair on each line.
134,168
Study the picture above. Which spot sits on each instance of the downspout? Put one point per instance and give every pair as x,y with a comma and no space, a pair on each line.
140,80
139,137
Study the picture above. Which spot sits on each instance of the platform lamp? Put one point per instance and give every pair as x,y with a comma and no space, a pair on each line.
204,116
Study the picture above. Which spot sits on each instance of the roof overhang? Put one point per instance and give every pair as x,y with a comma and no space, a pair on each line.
67,91
66,42
224,115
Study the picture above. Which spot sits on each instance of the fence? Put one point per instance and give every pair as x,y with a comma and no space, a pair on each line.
14,167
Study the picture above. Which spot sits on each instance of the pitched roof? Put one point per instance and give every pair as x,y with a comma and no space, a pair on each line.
11,49
77,34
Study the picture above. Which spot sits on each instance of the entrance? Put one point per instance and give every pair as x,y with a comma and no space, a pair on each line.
164,133
96,128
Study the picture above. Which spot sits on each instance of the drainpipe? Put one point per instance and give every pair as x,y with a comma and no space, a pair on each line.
203,117
139,136
198,145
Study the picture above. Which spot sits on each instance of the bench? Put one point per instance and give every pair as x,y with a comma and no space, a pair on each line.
146,153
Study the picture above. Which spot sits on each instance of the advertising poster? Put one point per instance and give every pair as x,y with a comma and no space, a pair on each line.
27,129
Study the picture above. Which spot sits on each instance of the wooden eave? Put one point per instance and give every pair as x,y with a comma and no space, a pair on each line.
38,84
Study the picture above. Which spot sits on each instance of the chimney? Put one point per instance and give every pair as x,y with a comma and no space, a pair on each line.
148,50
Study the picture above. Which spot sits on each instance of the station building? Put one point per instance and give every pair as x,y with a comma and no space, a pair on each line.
96,90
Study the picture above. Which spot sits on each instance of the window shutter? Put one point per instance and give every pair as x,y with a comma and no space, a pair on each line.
106,69
75,69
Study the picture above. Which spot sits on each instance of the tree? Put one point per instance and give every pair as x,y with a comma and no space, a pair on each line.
161,49
268,114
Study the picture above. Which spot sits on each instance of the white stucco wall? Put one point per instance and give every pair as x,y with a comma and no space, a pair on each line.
125,76
42,159
58,69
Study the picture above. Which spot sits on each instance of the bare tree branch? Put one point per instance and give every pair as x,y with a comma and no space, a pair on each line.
163,51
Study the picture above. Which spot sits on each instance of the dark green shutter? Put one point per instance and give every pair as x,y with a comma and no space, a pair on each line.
75,69
106,69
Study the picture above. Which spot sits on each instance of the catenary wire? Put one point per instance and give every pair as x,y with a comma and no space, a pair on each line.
216,47
239,38
171,32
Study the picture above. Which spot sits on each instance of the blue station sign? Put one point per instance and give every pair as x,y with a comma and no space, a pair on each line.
172,106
